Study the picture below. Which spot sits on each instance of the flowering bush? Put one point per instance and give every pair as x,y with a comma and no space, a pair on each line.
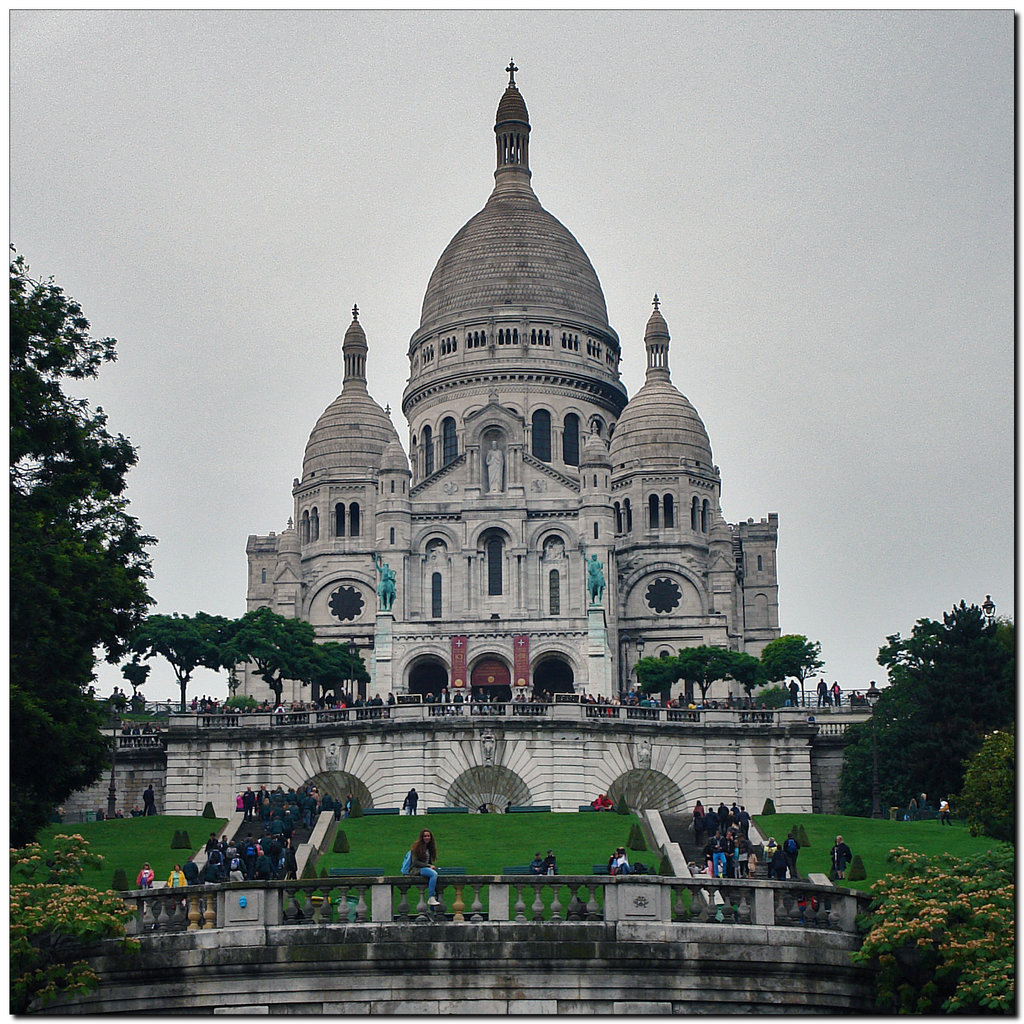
53,921
942,930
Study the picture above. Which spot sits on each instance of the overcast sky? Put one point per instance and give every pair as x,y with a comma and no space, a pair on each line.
823,201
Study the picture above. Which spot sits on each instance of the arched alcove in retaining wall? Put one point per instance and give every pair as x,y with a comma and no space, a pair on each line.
489,784
648,789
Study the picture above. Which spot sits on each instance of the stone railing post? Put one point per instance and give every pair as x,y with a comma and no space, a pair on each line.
764,906
381,906
497,901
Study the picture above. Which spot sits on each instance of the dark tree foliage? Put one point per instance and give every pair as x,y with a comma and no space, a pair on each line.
950,683
78,561
791,656
279,647
334,665
186,642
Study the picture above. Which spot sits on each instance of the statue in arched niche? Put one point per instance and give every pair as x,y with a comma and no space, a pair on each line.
494,468
554,549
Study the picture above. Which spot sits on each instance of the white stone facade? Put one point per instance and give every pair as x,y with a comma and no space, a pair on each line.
525,460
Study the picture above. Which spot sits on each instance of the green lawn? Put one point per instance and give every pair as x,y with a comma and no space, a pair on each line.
485,843
127,843
872,839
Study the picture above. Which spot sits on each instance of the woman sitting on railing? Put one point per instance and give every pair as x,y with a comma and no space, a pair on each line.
423,861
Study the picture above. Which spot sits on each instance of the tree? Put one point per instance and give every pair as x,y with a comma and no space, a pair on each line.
703,665
334,664
791,657
78,561
747,670
279,647
942,931
950,683
656,675
135,673
53,921
989,794
186,643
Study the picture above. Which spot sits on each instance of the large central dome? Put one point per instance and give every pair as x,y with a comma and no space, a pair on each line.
513,255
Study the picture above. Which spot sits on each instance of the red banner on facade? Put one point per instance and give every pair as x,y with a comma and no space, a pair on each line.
459,662
520,659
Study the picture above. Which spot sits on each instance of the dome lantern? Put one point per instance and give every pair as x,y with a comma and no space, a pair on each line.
353,352
512,134
656,339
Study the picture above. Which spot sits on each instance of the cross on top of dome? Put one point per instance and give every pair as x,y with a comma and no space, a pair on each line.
511,69
355,312
657,301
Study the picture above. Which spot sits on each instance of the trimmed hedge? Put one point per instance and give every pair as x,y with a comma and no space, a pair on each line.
636,838
856,872
769,806
208,811
340,842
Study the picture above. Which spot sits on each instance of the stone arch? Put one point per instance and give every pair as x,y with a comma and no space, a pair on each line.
490,676
553,674
340,784
427,674
491,785
647,789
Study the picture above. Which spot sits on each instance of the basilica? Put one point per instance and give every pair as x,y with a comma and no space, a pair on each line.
542,530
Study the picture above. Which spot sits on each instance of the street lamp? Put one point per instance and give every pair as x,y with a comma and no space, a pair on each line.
988,609
112,788
876,799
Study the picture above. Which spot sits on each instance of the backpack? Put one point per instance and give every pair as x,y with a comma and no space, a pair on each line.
792,845
235,864
215,857
407,862
250,850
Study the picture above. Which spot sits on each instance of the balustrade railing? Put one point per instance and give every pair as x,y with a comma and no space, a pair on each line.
138,742
539,900
562,711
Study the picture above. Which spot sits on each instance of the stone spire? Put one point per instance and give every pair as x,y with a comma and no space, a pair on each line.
656,340
512,131
353,351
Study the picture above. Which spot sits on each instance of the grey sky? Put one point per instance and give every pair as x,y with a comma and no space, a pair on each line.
823,201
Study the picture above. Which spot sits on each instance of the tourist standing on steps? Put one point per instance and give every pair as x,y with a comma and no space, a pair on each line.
423,861
412,798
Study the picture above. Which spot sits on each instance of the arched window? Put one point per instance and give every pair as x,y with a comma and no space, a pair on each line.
304,531
263,574
595,531
353,519
339,520
760,564
428,451
571,440
494,549
627,508
314,525
554,593
449,442
669,511
541,435
435,596
392,486
695,513
653,505
704,516
618,518
392,535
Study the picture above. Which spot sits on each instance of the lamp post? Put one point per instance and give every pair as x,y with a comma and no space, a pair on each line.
640,643
112,788
988,609
876,799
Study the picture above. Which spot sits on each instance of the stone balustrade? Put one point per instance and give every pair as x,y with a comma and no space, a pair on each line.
828,724
474,899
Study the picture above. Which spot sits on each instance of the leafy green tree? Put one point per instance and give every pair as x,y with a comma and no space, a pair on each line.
279,647
54,921
942,929
78,561
703,665
950,683
333,664
990,788
136,674
186,643
656,675
747,670
791,656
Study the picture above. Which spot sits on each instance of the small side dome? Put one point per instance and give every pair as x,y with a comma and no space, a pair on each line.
394,459
595,452
288,542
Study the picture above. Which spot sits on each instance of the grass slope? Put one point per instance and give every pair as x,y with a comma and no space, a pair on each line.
128,842
485,843
872,839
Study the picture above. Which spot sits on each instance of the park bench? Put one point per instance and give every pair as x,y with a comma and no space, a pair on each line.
380,810
447,810
528,808
517,869
586,807
354,872
600,869
451,871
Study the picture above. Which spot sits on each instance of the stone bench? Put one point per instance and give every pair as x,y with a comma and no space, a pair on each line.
528,809
447,810
380,810
355,872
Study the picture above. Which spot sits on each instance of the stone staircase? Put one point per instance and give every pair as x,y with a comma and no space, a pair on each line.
680,830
